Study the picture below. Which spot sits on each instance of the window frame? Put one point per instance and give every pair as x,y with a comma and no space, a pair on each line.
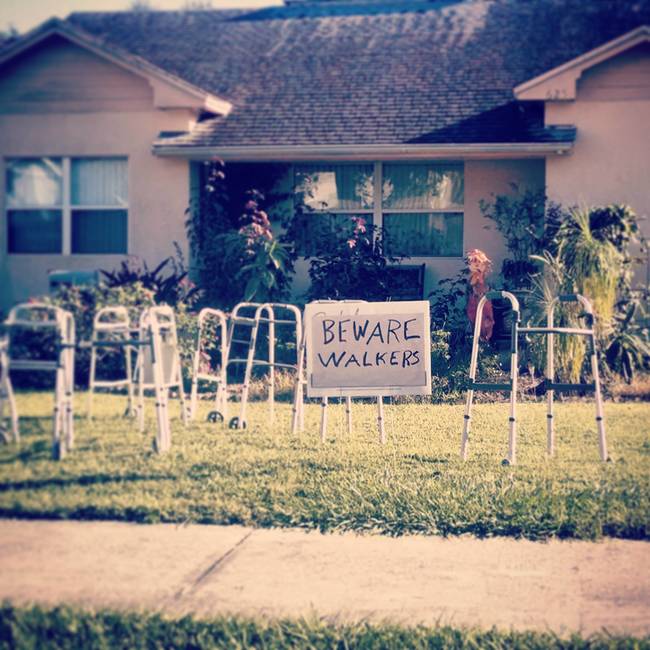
378,210
67,207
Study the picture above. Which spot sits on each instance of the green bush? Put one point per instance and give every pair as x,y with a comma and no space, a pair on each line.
236,252
351,265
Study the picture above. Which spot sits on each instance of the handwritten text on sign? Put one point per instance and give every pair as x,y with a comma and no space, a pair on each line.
368,348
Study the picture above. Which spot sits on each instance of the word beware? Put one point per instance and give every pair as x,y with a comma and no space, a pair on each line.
340,331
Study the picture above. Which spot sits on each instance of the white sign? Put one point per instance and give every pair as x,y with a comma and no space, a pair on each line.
363,349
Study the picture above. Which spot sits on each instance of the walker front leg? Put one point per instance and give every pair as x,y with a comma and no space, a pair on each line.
600,419
466,424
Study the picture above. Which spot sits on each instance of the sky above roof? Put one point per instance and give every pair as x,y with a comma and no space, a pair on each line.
25,14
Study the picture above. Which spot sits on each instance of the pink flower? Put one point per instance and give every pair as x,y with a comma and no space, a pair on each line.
352,243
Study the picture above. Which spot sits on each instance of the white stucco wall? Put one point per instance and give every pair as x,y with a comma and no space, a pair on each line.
158,188
611,158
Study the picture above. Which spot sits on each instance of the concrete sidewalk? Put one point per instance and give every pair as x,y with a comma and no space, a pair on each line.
209,570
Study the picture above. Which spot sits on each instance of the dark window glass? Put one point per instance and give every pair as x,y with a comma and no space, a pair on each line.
99,231
34,231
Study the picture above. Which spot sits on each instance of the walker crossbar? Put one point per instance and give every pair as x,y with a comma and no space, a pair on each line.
41,316
219,322
550,386
112,330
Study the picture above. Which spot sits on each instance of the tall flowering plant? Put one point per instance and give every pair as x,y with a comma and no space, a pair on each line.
353,265
479,266
235,253
267,258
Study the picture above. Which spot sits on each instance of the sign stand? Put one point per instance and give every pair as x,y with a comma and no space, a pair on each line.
380,420
363,349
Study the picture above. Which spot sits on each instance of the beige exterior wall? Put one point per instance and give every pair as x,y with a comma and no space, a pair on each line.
611,159
158,188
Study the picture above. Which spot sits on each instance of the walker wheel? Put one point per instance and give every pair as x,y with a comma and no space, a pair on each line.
215,416
505,462
234,423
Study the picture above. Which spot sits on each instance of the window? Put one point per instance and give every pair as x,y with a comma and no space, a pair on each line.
423,210
331,196
420,207
34,205
67,205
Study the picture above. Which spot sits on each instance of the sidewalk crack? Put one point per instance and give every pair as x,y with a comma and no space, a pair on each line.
211,570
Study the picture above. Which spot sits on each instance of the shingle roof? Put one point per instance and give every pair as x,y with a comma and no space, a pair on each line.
369,73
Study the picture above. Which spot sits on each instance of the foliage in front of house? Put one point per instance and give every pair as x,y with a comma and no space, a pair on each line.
236,251
352,266
584,250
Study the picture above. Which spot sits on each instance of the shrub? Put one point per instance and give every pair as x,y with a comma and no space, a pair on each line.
168,281
590,253
352,265
236,253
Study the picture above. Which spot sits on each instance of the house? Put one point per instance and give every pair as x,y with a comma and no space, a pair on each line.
405,112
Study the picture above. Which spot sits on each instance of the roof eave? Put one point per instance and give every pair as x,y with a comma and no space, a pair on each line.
296,153
566,75
130,62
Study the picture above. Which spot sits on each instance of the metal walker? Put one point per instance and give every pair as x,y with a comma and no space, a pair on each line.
7,397
215,322
549,331
158,367
266,313
111,329
40,316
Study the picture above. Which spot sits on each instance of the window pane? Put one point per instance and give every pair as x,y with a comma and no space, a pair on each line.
335,187
422,187
34,182
99,181
34,231
424,235
317,231
99,231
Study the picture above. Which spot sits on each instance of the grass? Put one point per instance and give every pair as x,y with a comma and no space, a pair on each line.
414,484
64,627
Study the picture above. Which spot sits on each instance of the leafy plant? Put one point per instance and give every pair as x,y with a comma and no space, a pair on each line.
592,264
168,280
520,219
628,348
448,302
235,252
570,351
352,265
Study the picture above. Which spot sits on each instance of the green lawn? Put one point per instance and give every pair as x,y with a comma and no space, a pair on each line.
65,627
414,484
